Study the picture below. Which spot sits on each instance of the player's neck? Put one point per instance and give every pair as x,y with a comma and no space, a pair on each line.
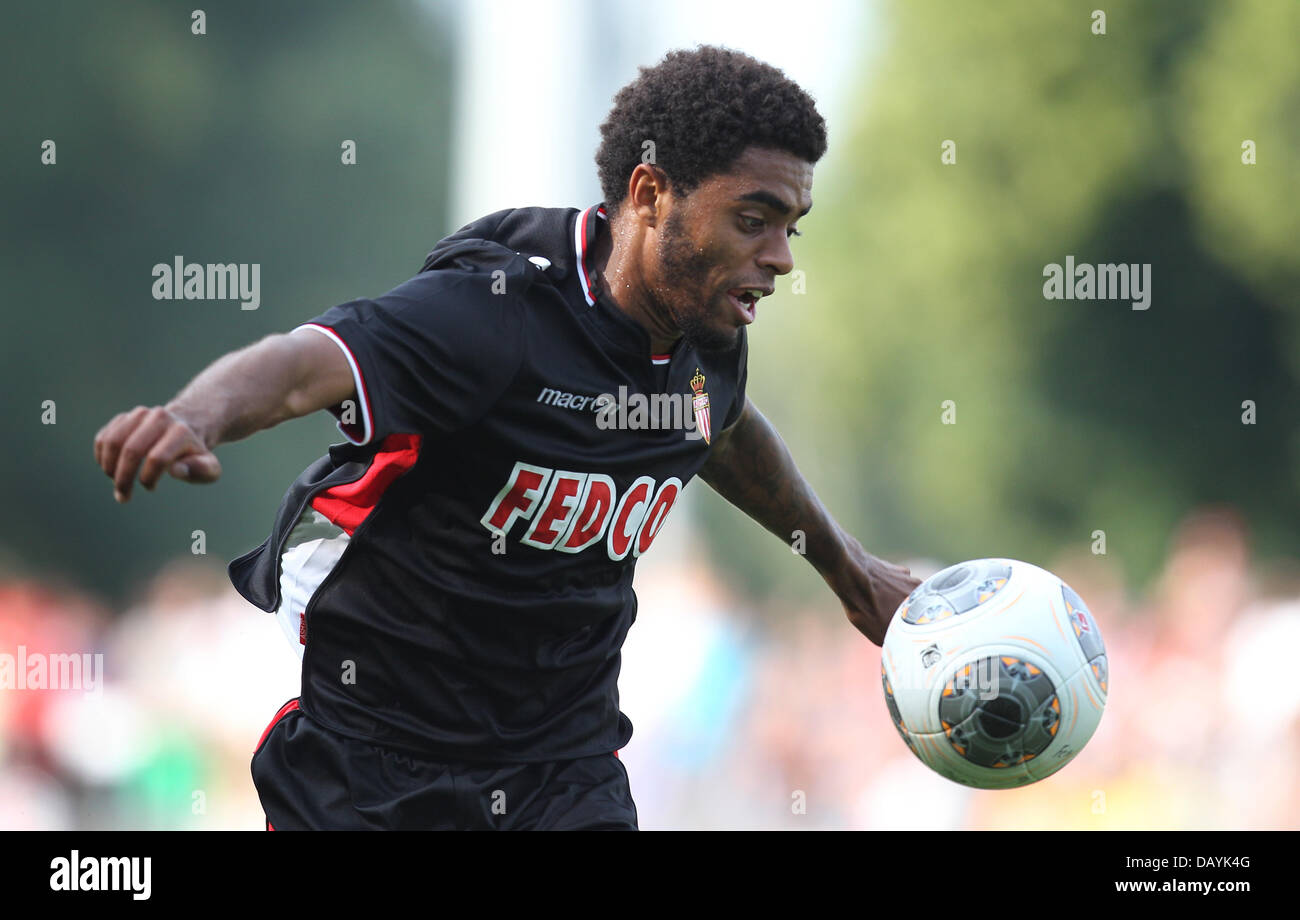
622,282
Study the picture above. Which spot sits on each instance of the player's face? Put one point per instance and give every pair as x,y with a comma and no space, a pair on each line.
732,233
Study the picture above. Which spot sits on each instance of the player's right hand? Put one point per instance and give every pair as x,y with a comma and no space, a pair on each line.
152,441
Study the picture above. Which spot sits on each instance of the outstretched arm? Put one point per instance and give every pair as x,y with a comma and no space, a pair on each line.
750,466
281,377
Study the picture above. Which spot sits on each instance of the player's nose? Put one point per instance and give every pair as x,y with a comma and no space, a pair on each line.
776,256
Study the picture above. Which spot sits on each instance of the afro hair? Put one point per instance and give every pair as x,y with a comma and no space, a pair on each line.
701,110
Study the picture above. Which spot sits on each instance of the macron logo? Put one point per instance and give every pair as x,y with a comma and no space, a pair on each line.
103,873
563,400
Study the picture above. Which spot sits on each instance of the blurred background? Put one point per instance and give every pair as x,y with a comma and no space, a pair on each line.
922,282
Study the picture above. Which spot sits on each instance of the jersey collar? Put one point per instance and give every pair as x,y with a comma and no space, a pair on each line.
585,230
613,322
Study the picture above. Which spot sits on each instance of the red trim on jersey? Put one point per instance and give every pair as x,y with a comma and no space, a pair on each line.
661,357
269,825
585,231
284,711
582,256
349,504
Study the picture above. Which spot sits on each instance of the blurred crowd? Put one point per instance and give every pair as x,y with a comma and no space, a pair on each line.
742,721
191,675
1201,728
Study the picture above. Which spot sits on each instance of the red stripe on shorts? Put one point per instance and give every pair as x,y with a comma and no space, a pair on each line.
284,711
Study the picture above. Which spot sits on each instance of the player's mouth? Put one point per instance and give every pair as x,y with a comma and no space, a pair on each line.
745,300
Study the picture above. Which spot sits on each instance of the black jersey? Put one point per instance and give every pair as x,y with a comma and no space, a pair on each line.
458,574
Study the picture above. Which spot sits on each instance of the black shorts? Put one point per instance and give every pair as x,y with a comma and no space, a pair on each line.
310,778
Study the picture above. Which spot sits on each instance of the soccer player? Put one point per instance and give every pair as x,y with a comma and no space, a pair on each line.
457,575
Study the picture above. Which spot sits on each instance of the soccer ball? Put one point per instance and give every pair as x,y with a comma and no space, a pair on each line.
994,672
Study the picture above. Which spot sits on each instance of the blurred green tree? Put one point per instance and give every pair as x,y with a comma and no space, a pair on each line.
220,147
925,281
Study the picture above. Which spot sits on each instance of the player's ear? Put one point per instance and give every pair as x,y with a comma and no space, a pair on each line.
647,189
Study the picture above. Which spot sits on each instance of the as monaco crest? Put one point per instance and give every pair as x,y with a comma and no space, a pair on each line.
701,405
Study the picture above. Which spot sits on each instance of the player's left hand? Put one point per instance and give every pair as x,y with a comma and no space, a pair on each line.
870,589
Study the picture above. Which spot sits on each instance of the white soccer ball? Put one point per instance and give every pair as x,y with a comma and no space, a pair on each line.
994,673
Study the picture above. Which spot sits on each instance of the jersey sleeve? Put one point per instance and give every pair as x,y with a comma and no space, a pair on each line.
429,357
738,404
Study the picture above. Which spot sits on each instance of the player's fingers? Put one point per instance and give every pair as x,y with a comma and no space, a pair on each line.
151,427
176,441
109,441
204,467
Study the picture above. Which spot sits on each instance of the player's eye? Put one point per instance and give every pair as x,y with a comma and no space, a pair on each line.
757,223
